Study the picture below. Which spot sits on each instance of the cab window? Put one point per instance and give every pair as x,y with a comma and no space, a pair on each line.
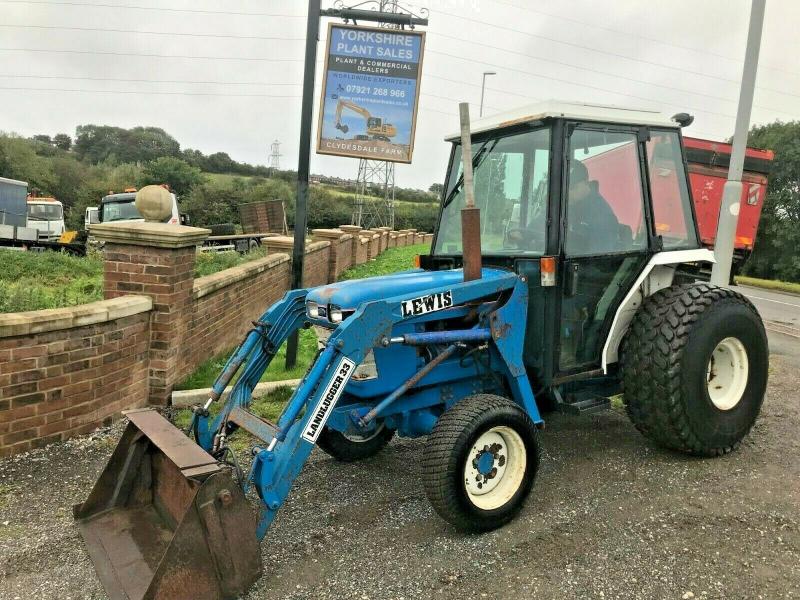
672,209
605,206
510,180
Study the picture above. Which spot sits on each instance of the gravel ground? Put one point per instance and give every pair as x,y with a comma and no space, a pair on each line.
610,517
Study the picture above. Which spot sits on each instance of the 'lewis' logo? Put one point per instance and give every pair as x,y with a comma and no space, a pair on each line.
426,304
328,400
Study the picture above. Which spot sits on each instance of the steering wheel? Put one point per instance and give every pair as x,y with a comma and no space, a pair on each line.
522,236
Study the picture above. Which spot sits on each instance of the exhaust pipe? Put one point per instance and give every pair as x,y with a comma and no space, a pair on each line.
470,214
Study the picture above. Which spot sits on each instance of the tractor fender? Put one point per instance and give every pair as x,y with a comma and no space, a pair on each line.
657,274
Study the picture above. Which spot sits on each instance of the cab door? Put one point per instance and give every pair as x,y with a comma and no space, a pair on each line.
605,237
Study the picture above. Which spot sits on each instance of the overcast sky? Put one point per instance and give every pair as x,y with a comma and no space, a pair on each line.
226,76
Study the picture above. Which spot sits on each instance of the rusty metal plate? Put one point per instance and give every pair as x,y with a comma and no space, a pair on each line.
181,450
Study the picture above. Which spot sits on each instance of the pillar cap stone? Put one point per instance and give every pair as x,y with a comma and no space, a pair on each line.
157,235
350,228
279,241
328,233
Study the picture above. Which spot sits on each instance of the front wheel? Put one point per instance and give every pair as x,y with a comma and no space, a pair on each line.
481,462
695,365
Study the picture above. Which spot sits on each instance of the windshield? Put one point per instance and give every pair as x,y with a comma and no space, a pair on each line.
45,212
124,210
510,178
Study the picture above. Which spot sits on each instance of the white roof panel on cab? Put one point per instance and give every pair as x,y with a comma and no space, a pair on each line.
13,181
569,110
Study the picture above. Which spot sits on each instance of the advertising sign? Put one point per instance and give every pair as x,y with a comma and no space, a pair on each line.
370,91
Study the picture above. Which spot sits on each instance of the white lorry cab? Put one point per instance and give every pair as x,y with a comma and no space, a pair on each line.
46,216
115,208
90,216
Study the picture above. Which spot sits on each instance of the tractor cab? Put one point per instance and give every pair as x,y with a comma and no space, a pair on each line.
597,191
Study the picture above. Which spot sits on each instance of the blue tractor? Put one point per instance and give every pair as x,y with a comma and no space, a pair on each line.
586,288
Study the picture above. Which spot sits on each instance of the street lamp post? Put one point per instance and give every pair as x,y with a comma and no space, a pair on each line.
732,192
483,89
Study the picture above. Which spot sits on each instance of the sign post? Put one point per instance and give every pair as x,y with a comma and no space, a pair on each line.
303,159
306,115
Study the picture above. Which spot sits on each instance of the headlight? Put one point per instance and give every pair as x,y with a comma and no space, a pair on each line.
335,314
312,309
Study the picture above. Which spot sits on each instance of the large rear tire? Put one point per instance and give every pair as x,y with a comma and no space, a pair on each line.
481,461
695,364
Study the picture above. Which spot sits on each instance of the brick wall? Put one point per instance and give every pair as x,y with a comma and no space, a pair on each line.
66,371
316,260
225,304
316,264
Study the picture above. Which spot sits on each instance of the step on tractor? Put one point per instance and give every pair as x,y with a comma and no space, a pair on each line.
573,285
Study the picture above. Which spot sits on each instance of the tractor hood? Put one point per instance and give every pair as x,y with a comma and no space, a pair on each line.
348,295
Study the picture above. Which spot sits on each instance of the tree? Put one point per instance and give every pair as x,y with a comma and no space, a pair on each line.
180,175
219,162
62,141
19,160
436,188
99,143
143,144
45,139
775,253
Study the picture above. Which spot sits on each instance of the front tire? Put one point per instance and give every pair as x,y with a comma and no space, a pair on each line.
695,365
481,461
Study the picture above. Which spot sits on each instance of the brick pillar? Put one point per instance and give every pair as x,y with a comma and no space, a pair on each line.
384,238
353,230
156,260
342,256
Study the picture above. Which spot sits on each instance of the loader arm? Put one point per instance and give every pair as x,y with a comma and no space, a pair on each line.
288,443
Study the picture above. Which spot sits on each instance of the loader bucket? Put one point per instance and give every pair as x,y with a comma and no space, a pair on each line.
166,521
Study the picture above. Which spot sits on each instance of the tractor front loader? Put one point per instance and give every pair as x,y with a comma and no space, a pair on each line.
575,280
168,519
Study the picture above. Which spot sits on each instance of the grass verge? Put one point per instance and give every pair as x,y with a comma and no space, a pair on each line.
770,284
40,280
391,261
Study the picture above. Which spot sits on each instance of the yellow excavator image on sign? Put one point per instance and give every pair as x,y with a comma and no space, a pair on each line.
376,128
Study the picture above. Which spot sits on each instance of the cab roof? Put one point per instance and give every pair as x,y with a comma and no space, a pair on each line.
604,113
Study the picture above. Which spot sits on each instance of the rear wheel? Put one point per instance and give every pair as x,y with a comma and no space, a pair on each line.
348,447
695,367
481,462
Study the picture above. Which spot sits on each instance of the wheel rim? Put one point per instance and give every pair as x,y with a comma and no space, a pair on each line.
495,467
360,439
726,374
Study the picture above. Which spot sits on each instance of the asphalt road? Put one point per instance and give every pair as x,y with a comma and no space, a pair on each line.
781,315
